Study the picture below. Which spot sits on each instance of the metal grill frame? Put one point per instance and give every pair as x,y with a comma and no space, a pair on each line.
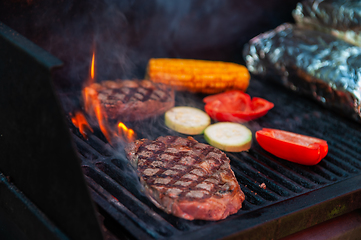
38,155
316,194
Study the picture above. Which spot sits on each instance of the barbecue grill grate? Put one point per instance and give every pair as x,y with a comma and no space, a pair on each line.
114,186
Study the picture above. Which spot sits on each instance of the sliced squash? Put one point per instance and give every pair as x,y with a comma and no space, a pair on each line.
187,120
229,136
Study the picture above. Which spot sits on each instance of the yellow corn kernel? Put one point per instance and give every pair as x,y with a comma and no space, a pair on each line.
198,75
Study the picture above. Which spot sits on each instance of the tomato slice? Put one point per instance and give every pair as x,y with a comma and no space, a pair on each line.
235,106
292,146
232,94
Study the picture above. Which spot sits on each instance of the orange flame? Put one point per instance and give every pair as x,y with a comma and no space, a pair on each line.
82,124
93,107
125,132
92,68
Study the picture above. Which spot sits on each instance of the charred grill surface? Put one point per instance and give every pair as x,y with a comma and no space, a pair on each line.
292,197
189,179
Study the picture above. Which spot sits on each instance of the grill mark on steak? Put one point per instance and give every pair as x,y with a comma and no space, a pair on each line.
133,100
180,174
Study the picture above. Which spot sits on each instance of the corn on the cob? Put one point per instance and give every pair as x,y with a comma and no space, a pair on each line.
198,75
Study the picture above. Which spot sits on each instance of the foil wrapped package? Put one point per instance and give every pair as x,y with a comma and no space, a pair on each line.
310,62
341,18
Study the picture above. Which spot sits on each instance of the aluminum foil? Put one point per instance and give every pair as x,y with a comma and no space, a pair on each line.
310,62
341,18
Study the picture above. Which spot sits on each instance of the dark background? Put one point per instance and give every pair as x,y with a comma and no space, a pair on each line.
126,33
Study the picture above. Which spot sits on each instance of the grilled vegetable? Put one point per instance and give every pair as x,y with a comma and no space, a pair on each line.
292,146
236,106
187,120
227,136
198,75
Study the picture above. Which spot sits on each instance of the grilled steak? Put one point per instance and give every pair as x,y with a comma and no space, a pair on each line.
133,100
186,178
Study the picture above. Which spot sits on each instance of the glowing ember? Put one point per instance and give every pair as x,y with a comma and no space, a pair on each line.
82,124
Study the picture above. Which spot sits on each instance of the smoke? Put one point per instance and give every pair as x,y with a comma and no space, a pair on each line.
125,34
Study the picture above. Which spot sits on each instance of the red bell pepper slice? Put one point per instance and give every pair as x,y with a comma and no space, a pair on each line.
292,146
236,106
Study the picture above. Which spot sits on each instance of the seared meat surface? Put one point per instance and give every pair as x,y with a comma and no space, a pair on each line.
130,100
186,178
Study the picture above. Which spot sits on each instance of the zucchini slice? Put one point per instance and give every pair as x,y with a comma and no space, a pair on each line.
228,136
187,120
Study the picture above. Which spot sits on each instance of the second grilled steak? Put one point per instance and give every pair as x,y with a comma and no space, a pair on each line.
186,178
130,100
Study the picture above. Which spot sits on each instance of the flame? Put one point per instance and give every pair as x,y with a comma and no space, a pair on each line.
125,132
82,124
94,108
92,68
